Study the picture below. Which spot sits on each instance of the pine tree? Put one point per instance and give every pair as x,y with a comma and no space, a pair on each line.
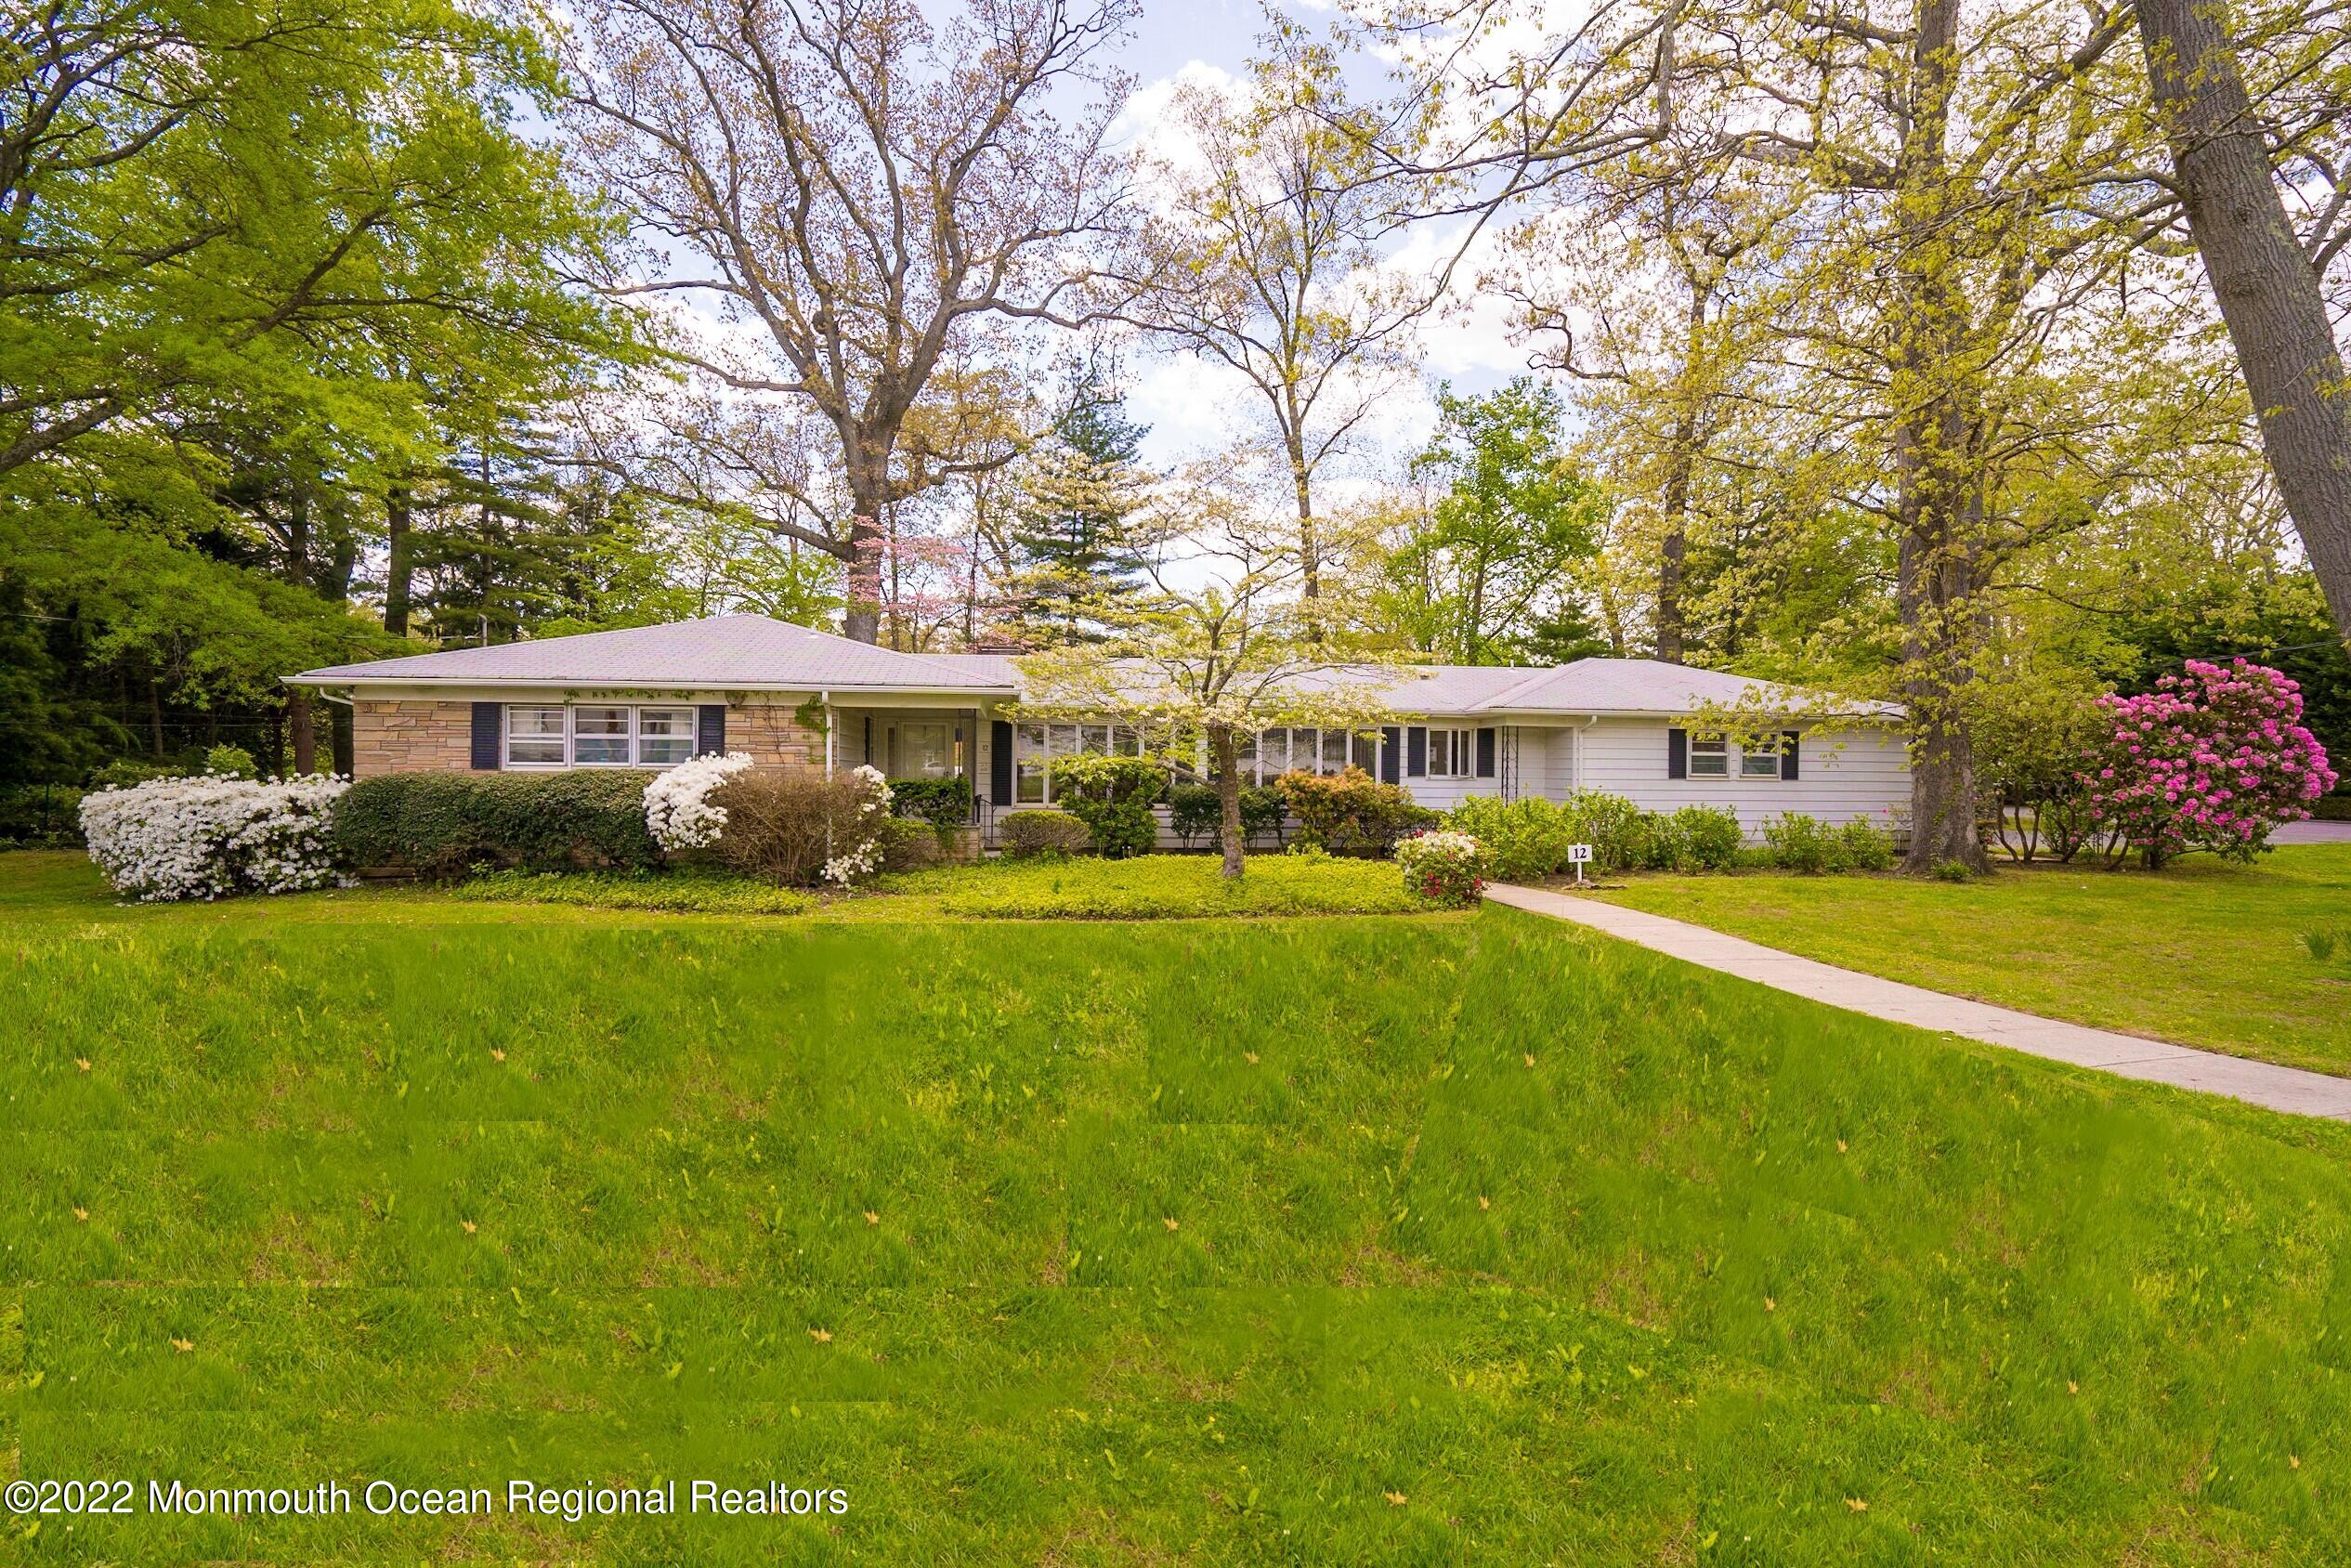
1072,536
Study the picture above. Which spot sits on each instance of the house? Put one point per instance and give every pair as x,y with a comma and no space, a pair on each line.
653,696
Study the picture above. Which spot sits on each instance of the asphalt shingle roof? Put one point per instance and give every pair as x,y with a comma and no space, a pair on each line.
723,651
737,651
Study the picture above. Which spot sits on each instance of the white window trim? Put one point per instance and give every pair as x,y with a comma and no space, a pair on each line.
1722,756
1041,761
571,736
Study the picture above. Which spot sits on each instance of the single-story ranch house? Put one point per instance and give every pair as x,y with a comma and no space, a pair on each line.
653,696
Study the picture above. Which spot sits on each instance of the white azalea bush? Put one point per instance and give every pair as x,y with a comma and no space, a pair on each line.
864,857
678,809
212,836
1442,867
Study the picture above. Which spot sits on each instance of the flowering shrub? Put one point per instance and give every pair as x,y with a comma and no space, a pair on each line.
211,836
1350,809
678,811
1442,866
802,829
2213,759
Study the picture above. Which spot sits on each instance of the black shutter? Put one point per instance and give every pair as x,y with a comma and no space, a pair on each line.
1676,753
710,729
485,737
1486,753
1787,755
1416,750
1000,763
1392,747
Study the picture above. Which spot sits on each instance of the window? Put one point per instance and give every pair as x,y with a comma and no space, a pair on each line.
1334,750
1035,746
1760,758
1028,766
534,737
1709,757
598,735
665,736
923,750
1453,753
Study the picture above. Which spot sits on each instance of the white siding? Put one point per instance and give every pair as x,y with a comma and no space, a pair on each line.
1840,775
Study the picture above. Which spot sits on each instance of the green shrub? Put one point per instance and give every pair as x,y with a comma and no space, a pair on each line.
910,846
800,829
1349,810
439,824
680,892
1618,830
41,816
1704,838
1864,846
123,772
1263,815
1522,839
2331,808
1803,843
942,802
230,762
1113,797
1954,872
1194,813
1042,834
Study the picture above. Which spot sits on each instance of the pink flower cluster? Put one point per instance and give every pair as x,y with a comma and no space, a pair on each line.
2213,759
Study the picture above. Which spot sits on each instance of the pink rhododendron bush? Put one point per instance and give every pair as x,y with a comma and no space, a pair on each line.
2210,760
212,836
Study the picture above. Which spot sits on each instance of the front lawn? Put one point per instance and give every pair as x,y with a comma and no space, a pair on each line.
2204,953
1428,1239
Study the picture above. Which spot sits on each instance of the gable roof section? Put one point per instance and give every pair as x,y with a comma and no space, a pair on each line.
722,652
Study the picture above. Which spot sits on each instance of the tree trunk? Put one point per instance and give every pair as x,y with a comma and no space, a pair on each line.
2268,290
1682,462
861,618
1935,472
1309,553
1228,795
398,561
305,737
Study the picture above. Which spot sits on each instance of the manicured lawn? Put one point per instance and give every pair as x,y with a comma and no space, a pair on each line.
1433,1238
2205,954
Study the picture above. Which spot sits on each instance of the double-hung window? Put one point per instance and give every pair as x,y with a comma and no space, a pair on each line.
598,735
1453,753
1710,756
1759,757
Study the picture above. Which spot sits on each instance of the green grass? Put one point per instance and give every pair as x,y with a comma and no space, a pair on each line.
2204,953
1432,1238
672,892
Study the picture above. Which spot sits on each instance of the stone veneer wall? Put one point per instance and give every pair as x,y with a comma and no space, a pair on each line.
438,737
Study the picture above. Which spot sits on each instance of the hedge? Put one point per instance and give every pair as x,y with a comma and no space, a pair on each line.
1029,833
440,824
942,802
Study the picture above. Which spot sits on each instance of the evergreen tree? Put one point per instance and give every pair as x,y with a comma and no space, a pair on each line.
1072,536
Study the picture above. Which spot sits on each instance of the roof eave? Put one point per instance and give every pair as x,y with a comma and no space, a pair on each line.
555,683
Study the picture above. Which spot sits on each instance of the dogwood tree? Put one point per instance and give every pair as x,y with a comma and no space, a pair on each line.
1246,651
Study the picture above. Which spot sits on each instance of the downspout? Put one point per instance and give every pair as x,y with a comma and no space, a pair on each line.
1575,753
831,728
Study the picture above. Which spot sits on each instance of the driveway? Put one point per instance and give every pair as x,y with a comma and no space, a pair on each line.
2312,832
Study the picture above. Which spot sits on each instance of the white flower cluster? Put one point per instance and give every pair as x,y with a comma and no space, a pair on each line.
865,859
210,836
677,809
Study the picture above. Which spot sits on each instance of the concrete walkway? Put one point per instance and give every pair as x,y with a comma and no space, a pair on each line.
2280,1089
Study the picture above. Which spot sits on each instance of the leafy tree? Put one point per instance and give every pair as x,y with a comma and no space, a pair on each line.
1494,556
1243,653
868,191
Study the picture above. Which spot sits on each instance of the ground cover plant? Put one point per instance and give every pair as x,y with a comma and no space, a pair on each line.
1457,1237
2203,953
1155,887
